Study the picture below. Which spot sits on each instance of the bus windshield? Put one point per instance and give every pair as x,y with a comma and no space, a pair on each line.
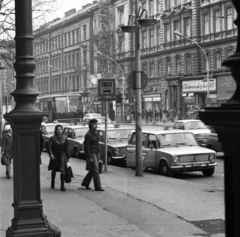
67,104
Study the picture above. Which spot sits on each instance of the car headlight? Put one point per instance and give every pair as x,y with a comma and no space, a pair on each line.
117,151
176,160
211,158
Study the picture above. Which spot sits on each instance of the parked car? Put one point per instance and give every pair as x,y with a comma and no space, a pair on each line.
116,144
89,116
76,134
171,151
205,135
47,130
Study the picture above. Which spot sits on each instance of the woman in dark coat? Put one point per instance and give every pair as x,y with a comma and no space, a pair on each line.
7,149
59,155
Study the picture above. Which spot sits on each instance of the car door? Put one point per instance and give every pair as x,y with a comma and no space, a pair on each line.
149,150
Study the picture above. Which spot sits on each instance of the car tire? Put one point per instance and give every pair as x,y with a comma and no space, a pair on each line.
208,172
76,153
164,169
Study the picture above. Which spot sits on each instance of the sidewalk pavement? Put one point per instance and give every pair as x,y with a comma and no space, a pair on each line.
130,206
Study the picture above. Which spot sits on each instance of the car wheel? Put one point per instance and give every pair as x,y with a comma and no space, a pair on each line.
164,169
208,172
76,153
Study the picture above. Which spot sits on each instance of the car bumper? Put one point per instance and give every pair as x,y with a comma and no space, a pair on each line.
119,157
193,166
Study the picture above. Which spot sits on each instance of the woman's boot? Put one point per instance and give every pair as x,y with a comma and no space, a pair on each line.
53,174
62,182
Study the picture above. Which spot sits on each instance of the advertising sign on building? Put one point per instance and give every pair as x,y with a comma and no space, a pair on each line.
226,87
198,86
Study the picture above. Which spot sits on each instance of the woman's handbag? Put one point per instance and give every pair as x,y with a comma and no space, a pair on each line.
3,160
89,165
68,173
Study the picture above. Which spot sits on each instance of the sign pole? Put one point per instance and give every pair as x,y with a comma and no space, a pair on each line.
106,134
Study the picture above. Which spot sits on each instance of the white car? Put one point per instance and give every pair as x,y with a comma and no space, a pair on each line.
89,116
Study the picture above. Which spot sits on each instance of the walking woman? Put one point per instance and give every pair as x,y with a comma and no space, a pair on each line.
59,155
7,150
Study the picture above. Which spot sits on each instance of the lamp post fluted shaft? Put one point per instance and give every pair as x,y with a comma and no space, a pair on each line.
138,95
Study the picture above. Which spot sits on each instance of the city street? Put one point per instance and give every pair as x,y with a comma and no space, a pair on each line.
153,205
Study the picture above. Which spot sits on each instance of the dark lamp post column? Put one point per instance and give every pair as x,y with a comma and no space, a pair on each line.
226,121
25,120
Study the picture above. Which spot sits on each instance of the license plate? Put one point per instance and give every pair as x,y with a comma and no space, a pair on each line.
196,164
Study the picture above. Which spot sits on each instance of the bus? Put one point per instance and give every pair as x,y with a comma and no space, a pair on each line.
61,108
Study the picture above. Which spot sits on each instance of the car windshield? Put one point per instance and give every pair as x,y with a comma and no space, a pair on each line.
80,132
195,125
118,134
176,139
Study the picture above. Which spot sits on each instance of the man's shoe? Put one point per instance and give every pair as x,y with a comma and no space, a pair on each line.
86,186
99,189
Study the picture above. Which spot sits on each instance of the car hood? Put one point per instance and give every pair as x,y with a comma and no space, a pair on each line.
186,150
78,139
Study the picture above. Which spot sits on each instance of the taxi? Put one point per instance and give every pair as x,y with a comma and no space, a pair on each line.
172,151
117,141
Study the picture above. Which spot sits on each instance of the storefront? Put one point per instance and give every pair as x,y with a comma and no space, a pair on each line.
152,101
194,93
226,87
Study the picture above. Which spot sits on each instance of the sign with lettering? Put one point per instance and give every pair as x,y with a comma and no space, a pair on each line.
198,86
226,87
106,89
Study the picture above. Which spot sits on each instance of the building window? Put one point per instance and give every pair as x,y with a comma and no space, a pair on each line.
144,39
178,65
152,69
151,38
187,27
167,4
73,37
206,24
167,32
188,64
176,26
69,39
121,16
121,43
84,57
158,35
229,53
229,21
217,21
218,60
77,36
168,66
159,68
84,32
151,10
145,68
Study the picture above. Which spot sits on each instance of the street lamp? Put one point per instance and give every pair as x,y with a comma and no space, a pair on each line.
70,82
123,86
137,78
207,61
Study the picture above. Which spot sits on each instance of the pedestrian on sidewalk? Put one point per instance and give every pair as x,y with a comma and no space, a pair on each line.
156,116
59,155
160,115
91,147
147,116
164,117
7,149
150,115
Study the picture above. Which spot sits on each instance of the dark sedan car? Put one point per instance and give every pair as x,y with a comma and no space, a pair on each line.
116,144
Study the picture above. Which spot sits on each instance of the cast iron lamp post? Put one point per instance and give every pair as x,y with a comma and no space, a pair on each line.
70,81
137,77
226,121
123,78
208,78
25,120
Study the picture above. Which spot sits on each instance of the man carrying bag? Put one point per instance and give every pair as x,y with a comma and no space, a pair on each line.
91,147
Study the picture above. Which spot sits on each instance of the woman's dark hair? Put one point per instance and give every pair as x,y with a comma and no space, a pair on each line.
56,127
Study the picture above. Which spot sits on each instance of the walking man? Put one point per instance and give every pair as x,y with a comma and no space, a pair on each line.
91,147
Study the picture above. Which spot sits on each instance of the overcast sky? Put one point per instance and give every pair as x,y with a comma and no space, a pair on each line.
66,5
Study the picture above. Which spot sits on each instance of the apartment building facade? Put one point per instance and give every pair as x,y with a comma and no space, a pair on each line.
176,66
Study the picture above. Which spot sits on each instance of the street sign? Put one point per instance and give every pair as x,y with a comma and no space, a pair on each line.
123,96
106,89
131,80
